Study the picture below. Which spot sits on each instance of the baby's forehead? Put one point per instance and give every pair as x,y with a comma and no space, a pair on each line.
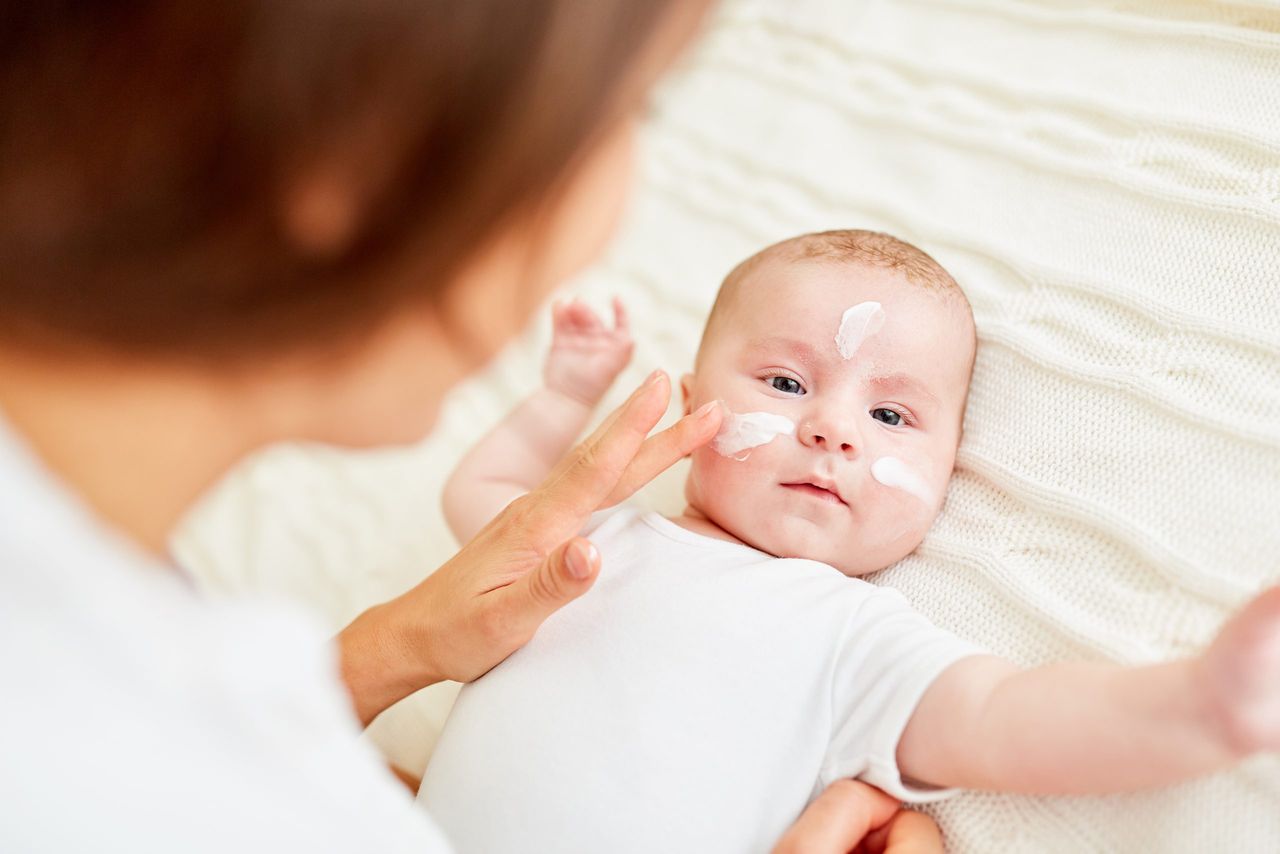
808,306
815,292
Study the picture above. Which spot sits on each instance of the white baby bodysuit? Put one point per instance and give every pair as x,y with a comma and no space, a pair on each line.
695,700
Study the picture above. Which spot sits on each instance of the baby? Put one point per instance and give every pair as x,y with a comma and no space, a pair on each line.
729,664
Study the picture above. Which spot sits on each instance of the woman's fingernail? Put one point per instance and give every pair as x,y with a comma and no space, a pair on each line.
705,410
654,378
580,557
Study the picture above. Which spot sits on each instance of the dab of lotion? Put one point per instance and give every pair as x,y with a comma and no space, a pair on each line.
742,431
894,473
856,325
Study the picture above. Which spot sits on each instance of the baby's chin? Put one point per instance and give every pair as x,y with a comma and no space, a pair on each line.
853,560
795,537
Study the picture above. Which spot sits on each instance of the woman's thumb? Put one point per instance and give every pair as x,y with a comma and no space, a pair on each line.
581,561
566,574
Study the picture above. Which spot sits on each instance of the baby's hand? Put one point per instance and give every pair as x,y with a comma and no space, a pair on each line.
1241,675
586,356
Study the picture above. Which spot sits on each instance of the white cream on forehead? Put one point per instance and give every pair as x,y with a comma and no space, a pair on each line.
893,472
856,325
742,431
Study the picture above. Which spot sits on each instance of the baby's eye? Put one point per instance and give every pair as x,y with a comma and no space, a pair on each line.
889,416
786,385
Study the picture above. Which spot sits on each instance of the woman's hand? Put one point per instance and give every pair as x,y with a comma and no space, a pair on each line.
491,597
852,816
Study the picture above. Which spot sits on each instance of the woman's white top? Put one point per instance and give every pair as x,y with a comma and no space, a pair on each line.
136,716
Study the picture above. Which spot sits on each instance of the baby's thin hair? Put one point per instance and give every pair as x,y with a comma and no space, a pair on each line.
851,246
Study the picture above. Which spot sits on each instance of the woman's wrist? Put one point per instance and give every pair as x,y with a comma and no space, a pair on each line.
382,659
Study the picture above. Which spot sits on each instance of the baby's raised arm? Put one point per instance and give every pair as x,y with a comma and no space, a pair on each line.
513,458
1094,728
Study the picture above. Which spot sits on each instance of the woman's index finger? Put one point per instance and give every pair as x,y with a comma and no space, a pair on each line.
575,490
662,450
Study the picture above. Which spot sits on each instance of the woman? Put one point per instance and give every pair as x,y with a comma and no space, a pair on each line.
225,225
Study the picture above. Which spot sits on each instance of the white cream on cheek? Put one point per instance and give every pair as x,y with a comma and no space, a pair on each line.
856,325
896,474
742,431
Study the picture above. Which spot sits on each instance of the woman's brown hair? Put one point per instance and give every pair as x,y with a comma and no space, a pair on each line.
146,148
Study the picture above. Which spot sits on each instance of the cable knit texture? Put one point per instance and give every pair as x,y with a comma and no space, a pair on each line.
1103,178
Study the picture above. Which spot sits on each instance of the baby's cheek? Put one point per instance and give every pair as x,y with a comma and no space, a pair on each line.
721,479
729,491
896,526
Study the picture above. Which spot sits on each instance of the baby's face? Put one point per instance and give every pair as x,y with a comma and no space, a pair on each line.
862,479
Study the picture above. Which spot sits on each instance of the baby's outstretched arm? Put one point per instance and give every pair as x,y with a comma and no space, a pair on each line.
1094,728
513,458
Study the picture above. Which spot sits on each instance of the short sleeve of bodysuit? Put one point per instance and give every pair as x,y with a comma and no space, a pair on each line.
889,654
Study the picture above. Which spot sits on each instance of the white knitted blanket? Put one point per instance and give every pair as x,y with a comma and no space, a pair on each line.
1103,178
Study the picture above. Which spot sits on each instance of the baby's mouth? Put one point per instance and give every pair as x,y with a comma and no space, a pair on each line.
821,492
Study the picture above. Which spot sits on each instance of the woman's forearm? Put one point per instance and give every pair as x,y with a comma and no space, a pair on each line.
380,662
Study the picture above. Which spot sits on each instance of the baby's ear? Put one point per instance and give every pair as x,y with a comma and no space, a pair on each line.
686,393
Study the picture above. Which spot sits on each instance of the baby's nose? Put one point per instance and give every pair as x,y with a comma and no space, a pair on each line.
836,435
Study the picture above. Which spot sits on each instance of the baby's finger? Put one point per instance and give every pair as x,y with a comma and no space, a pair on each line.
1263,612
583,318
575,489
1255,621
621,322
663,450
